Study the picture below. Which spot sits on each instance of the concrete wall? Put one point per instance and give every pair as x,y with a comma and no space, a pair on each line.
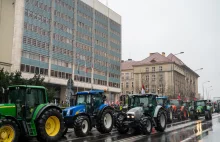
6,32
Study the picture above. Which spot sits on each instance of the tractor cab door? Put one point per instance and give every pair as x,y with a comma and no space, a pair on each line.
97,100
33,98
152,103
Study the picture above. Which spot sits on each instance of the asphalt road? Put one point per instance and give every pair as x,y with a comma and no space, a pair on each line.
185,131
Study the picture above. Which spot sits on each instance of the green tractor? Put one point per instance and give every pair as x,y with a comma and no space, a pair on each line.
26,112
143,115
201,108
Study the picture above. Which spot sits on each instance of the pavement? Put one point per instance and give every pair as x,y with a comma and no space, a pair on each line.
183,131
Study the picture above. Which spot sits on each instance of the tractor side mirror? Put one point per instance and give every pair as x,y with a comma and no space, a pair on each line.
104,98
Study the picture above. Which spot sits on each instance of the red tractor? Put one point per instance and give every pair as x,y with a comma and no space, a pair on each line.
179,110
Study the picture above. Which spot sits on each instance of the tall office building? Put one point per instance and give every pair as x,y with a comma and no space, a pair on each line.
62,39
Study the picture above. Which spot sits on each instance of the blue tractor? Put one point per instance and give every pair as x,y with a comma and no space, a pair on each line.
89,111
165,103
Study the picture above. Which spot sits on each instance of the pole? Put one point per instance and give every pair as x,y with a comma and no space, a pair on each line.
85,75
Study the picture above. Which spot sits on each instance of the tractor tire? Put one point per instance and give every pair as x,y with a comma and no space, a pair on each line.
122,129
161,121
81,126
169,115
146,125
105,123
184,115
192,115
50,126
208,115
9,130
65,131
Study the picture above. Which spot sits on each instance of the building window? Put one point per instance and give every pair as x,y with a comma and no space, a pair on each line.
160,68
153,77
147,77
147,88
121,85
153,90
127,76
132,92
27,69
132,84
22,67
127,84
153,69
147,69
161,77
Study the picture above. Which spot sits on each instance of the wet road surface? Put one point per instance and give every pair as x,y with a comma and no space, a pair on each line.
185,131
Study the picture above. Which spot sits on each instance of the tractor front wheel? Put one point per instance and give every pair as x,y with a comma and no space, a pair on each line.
81,126
50,126
122,129
9,130
161,121
105,123
146,125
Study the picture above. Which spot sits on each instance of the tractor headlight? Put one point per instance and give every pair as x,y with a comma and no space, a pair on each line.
68,113
132,116
128,116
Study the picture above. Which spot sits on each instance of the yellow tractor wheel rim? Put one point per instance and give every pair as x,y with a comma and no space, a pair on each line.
7,134
52,126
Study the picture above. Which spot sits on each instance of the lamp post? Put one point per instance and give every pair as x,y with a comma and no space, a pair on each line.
172,71
203,88
207,91
197,84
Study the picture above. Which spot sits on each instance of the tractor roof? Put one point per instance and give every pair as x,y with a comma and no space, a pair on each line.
27,86
142,95
163,97
92,92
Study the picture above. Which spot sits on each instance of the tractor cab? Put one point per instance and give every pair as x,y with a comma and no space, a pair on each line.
25,100
176,102
163,101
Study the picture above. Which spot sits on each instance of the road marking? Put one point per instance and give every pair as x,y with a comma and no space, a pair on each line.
195,135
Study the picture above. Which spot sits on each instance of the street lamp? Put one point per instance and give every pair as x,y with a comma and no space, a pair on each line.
198,69
208,93
203,88
172,69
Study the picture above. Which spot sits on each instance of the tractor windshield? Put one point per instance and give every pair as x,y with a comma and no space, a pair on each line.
160,101
175,102
16,96
200,103
83,99
140,101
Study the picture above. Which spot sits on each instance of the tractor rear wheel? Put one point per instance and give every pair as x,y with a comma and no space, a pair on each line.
208,115
122,129
161,121
9,131
81,126
192,115
105,123
146,125
50,125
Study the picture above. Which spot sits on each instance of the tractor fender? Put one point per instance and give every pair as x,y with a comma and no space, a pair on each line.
44,108
157,109
102,108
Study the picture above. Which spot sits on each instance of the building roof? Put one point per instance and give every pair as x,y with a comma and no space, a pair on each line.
128,65
154,58
173,58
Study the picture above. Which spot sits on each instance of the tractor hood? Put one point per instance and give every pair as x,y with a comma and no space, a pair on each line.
7,109
199,108
137,112
72,111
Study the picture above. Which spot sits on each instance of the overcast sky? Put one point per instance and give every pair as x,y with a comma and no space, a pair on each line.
191,26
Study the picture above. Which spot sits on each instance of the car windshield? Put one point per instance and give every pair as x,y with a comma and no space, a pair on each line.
83,99
160,101
201,103
174,102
